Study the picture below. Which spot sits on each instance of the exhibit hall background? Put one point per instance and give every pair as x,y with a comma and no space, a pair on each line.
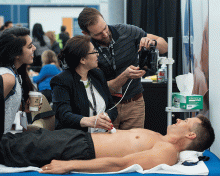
29,12
198,47
179,19
50,13
214,71
161,18
195,46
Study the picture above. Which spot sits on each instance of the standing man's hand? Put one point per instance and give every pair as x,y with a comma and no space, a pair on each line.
133,72
154,40
147,42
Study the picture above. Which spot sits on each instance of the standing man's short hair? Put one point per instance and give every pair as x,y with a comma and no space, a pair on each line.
88,17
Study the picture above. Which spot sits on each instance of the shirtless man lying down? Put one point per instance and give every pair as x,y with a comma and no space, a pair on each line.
62,151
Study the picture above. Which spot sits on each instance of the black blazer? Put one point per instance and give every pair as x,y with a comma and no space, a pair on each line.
70,101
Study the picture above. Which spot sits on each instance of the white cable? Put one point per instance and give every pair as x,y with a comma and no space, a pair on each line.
122,96
97,117
113,130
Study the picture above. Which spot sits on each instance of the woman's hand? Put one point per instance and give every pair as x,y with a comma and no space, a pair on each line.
99,121
27,104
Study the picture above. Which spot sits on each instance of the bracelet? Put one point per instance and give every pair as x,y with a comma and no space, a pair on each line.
96,120
155,42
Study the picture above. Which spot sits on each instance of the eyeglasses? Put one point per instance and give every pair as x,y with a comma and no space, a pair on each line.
95,52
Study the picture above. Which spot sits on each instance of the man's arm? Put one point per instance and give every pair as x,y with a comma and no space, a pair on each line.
131,72
162,153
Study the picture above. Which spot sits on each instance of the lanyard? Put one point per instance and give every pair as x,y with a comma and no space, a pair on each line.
112,54
22,92
94,100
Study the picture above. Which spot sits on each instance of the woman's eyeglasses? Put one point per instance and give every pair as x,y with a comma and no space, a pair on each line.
95,52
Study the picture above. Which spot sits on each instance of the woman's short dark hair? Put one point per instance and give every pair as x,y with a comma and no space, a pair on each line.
38,33
88,17
11,43
76,48
205,135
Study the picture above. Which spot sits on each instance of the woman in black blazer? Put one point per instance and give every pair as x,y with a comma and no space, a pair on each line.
80,93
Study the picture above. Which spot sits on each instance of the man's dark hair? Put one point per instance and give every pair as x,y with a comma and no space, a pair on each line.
7,23
63,28
88,17
205,135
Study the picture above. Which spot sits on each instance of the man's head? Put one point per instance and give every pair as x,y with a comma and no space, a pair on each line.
92,23
63,28
88,17
197,131
205,135
8,24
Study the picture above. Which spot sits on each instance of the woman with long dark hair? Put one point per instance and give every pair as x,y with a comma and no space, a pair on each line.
41,42
16,52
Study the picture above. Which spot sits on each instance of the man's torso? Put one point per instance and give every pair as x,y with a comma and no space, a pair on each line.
125,54
124,142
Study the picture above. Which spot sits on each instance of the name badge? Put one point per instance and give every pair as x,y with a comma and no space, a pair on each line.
23,120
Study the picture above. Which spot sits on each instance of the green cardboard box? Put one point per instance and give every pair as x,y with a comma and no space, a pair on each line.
187,102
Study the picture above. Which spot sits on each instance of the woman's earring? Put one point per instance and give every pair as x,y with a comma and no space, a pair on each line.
82,60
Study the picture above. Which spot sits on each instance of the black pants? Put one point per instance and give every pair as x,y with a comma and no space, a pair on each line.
40,147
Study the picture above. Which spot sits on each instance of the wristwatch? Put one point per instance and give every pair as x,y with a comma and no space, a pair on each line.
155,42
